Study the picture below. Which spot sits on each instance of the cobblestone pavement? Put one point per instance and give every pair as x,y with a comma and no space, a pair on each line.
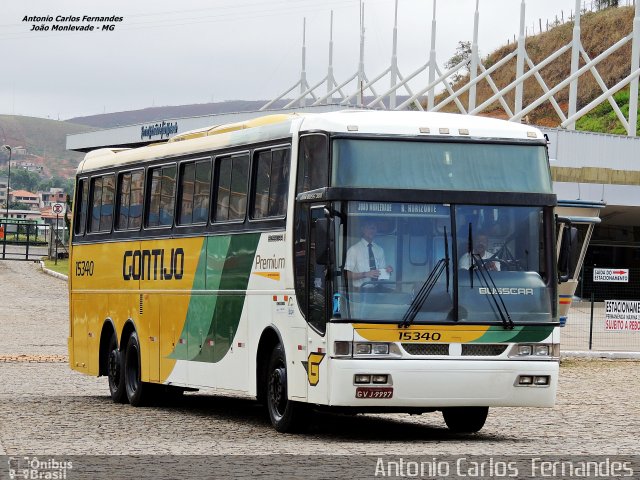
47,408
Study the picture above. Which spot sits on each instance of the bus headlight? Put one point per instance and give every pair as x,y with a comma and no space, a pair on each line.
536,351
541,350
365,349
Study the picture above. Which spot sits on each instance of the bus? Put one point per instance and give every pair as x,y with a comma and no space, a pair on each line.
235,258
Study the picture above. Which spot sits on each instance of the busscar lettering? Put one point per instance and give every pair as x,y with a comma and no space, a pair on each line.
153,264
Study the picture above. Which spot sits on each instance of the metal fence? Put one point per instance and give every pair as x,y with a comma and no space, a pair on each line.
22,239
593,326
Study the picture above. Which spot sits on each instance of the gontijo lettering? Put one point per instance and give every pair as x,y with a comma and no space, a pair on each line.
153,264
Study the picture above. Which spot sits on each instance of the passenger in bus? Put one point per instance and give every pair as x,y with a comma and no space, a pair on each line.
480,243
365,261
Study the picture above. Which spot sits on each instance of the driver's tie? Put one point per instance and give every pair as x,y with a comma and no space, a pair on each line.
372,261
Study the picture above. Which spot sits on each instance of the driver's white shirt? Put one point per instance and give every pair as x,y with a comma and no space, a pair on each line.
358,260
465,260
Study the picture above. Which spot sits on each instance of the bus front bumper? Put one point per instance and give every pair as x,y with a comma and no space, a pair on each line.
443,383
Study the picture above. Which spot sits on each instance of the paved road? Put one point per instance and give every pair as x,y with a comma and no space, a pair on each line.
45,407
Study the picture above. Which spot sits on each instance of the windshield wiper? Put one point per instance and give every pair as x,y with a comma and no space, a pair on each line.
426,288
423,293
481,268
477,264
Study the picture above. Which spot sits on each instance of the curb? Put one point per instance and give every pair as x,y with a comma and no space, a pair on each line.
57,275
600,355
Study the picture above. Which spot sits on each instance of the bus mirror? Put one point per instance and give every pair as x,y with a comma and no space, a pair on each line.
569,252
322,240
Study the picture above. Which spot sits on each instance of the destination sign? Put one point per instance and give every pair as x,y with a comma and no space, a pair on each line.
398,209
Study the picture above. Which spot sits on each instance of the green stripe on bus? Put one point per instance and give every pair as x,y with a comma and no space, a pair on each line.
533,333
212,320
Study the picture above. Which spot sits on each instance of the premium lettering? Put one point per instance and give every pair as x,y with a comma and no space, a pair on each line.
153,264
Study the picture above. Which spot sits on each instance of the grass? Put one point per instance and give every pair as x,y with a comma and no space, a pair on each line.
62,267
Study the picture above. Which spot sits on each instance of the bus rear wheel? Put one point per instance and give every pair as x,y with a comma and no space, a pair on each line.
285,415
137,391
465,419
115,372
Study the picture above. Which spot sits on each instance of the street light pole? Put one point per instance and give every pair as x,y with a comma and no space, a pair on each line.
8,177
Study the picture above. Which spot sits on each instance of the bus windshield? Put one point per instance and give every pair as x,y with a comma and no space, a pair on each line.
432,165
447,263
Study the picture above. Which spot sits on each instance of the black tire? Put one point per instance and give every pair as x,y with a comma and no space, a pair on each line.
115,371
137,391
286,416
465,419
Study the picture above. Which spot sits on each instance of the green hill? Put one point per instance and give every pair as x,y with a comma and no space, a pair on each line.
44,141
599,30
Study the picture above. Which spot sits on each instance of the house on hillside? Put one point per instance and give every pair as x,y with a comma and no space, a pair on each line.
54,195
32,200
3,191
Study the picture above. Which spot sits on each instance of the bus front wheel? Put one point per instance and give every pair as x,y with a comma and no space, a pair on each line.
465,419
285,415
137,391
115,372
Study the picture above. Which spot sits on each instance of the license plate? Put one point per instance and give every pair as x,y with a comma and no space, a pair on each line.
374,392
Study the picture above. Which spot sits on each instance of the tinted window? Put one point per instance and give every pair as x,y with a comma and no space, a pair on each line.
130,200
231,191
194,192
80,208
313,163
161,196
102,200
271,181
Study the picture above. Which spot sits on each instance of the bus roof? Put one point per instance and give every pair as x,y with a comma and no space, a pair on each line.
271,127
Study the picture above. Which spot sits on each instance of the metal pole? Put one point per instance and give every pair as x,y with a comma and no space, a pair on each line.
473,68
394,61
56,238
303,72
330,79
432,60
26,256
635,64
591,323
575,58
360,96
8,178
520,61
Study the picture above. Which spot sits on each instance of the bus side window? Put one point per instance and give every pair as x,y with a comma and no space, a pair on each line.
271,179
161,196
80,208
313,163
129,211
124,190
232,175
102,200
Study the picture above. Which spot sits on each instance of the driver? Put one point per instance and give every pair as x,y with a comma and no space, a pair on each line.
479,248
365,259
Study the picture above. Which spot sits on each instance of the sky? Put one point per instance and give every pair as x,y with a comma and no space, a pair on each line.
168,52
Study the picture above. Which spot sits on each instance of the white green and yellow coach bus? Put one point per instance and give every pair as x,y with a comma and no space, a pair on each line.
232,258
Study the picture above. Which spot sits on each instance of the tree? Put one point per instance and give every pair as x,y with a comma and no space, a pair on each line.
602,4
22,179
463,54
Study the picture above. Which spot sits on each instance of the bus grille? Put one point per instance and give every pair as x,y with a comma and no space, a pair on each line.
483,350
426,348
